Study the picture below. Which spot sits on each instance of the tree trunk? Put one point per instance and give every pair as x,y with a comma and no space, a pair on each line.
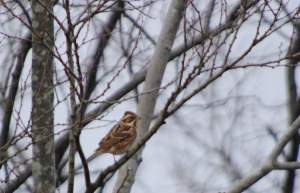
153,80
293,110
43,168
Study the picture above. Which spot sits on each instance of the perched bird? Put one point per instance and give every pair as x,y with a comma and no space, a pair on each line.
120,138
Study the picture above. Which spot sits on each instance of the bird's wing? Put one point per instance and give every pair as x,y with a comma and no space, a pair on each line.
118,133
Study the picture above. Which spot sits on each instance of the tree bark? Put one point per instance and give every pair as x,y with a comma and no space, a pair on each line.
43,168
153,80
293,110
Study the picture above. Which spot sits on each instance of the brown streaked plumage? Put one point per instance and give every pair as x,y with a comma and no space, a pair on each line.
120,138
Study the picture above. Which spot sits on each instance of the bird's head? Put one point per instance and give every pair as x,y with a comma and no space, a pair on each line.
130,118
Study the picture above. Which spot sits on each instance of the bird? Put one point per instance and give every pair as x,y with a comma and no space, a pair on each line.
120,138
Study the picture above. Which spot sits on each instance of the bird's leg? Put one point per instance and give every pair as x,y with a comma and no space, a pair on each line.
114,158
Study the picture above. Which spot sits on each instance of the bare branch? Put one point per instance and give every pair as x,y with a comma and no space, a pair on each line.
12,92
270,163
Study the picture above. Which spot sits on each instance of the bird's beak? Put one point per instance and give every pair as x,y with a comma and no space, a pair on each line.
139,118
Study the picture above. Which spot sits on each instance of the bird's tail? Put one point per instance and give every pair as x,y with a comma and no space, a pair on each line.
93,156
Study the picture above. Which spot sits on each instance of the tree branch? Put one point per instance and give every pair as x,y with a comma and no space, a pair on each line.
12,92
270,164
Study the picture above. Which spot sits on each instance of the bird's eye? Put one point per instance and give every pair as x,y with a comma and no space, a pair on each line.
128,120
